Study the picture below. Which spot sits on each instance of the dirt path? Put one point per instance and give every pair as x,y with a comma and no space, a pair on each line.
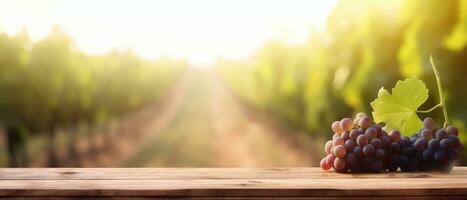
206,127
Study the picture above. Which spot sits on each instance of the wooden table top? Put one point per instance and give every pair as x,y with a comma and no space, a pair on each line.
234,183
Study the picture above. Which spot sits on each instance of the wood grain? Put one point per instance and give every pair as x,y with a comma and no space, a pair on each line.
231,183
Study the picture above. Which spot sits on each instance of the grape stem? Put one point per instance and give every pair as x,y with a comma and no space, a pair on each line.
431,109
440,91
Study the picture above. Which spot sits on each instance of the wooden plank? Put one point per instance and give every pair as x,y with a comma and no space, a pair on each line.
231,183
202,173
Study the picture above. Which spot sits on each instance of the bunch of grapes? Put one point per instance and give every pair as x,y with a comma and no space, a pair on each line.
431,149
360,146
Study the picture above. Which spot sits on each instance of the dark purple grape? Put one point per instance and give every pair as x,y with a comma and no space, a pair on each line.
407,151
380,154
441,133
378,127
445,144
351,162
404,142
403,160
358,152
354,134
371,133
350,145
429,123
382,133
368,161
385,140
368,150
454,139
377,166
428,155
420,144
451,130
362,140
394,148
426,133
376,143
395,136
364,122
440,156
345,135
361,131
433,144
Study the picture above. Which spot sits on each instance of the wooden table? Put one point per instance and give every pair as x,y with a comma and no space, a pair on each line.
229,183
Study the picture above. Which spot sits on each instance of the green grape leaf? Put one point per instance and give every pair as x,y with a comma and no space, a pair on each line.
399,109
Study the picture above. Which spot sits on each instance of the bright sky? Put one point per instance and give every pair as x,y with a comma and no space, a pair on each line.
199,30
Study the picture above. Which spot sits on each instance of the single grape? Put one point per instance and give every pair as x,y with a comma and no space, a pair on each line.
354,134
380,154
440,156
328,146
330,159
376,142
433,144
385,140
441,133
358,152
371,133
346,124
404,142
364,122
377,127
351,162
368,161
407,151
451,130
361,131
428,155
350,145
339,151
429,123
324,165
454,139
394,148
377,166
420,144
395,135
339,164
403,160
426,133
336,127
445,144
368,150
362,140
338,141
345,135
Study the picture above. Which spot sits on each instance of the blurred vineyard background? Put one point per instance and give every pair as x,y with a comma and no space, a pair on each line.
60,106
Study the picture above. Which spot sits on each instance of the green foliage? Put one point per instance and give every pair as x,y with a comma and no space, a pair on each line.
399,109
50,84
